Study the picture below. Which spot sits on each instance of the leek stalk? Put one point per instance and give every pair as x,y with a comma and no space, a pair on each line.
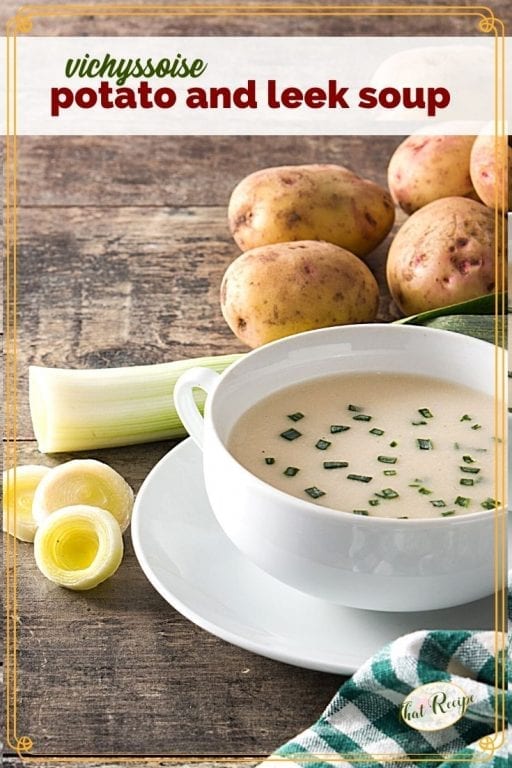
79,410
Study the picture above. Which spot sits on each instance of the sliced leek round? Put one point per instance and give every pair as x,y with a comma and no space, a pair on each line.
84,481
78,546
19,485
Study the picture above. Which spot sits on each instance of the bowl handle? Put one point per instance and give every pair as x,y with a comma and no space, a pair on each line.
185,403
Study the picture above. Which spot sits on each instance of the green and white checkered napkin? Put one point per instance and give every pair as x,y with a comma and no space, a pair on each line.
362,725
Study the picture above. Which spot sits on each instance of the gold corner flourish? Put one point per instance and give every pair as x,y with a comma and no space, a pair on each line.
489,744
22,24
487,24
23,744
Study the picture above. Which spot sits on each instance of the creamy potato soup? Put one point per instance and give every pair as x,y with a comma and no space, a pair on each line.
387,445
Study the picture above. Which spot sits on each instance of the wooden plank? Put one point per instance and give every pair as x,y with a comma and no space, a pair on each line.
118,671
111,287
105,287
305,25
15,762
178,170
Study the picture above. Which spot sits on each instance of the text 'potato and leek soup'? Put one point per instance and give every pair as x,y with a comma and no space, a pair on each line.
387,445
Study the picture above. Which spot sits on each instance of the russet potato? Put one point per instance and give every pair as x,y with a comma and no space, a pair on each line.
443,254
310,202
286,288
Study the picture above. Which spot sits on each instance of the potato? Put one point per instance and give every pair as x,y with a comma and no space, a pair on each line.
426,168
277,290
310,202
443,254
483,170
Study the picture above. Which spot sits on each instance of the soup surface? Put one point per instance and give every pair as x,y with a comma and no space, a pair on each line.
387,445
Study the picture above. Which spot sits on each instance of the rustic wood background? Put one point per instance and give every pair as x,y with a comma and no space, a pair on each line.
123,268
122,245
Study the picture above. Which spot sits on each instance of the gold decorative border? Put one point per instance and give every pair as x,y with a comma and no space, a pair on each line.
488,23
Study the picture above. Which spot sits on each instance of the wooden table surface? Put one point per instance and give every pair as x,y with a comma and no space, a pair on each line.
122,245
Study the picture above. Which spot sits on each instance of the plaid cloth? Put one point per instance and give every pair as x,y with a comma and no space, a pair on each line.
362,725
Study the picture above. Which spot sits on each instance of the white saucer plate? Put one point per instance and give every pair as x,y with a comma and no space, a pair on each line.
194,566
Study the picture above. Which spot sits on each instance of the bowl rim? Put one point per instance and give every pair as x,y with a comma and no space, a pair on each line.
319,510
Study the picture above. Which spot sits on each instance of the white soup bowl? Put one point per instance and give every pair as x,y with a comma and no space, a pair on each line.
365,562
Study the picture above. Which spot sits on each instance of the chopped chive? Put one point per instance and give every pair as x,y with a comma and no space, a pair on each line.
335,464
270,460
314,492
418,423
468,460
296,416
489,503
424,491
322,445
467,481
362,417
361,478
393,444
466,418
374,502
414,485
425,413
481,450
448,513
456,446
403,517
360,512
387,459
387,493
355,408
376,431
476,426
424,445
338,428
291,471
462,501
389,472
438,503
291,434
471,470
